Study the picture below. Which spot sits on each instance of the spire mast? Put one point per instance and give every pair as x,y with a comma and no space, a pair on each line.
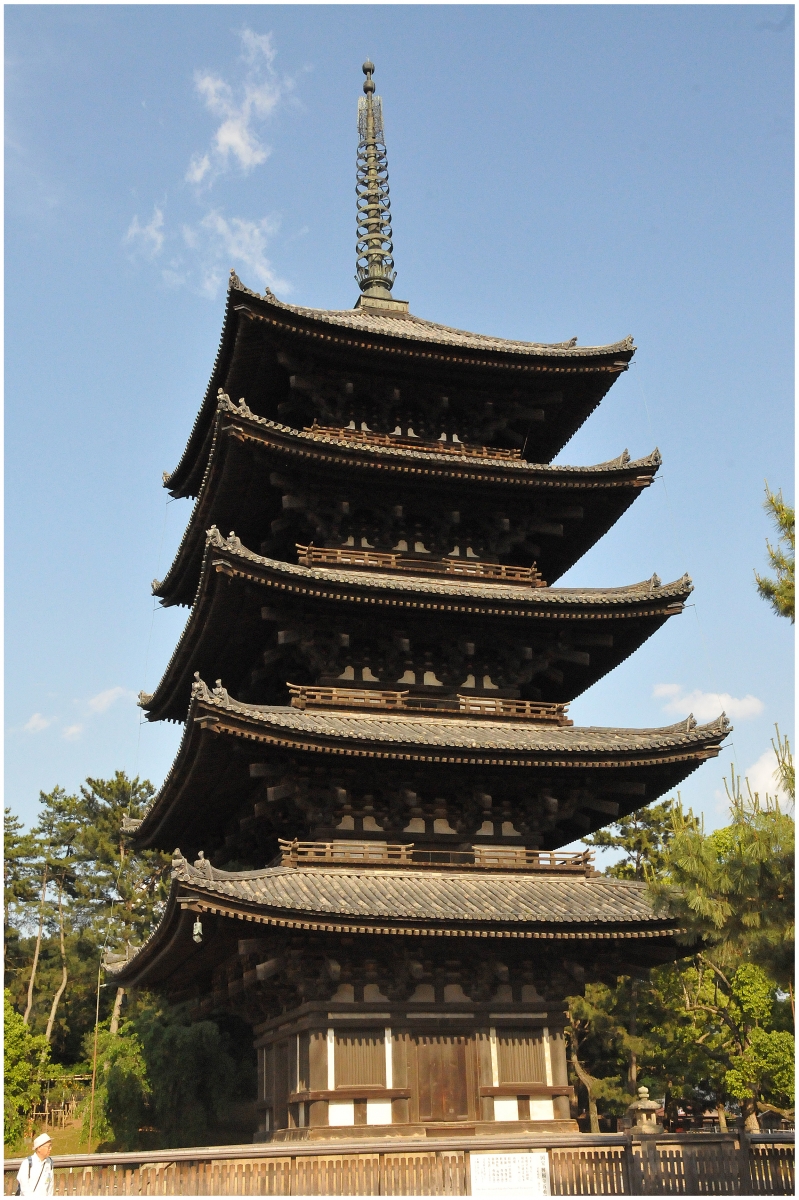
374,249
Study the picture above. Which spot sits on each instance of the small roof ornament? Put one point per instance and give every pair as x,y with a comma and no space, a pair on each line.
374,249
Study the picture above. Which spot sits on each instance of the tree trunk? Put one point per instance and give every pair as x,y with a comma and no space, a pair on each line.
722,1117
115,1014
586,1081
751,1123
60,992
632,1066
38,947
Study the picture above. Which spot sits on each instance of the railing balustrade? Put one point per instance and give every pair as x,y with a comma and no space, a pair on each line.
316,696
472,568
295,853
368,438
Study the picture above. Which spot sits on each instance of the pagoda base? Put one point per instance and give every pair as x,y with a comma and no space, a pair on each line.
326,1133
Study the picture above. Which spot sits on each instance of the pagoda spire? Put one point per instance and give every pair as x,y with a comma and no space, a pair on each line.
375,265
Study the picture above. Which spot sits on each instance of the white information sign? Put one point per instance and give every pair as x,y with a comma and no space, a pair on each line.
497,1175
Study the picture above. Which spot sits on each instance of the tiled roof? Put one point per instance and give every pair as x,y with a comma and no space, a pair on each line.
429,896
408,327
454,462
456,732
456,587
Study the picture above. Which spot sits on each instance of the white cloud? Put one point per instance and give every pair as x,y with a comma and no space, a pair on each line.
103,700
199,167
219,241
71,732
762,778
236,141
146,239
37,723
706,705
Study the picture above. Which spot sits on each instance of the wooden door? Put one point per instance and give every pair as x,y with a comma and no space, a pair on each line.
441,1070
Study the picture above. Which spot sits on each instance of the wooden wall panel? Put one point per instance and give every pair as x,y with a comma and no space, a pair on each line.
520,1054
360,1057
442,1077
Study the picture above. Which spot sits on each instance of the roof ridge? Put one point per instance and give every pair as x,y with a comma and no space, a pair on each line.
366,319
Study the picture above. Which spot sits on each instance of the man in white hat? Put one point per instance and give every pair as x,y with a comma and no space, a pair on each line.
35,1176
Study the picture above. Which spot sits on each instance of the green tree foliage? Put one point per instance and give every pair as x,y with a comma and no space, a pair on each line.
98,894
779,590
734,888
767,1066
160,1073
596,1036
643,837
157,1070
23,1055
122,1090
716,1026
21,874
192,1071
125,892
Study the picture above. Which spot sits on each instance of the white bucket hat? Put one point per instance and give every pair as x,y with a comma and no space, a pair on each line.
41,1140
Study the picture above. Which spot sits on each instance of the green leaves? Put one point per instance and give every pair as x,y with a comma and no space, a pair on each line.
24,1054
780,591
643,836
160,1072
765,1068
122,1087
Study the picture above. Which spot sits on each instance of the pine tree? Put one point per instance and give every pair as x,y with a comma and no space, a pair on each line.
780,591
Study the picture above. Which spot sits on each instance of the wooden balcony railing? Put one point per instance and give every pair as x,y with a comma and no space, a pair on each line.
468,568
365,437
310,696
517,858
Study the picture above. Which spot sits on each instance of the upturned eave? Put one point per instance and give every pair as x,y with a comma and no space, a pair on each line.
210,776
245,449
392,339
235,582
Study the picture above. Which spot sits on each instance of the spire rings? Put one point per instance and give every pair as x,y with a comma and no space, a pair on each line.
374,248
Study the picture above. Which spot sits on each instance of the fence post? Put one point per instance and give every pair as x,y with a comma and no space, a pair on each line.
650,1165
745,1172
690,1166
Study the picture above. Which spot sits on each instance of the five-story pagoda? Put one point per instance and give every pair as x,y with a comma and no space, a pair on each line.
374,791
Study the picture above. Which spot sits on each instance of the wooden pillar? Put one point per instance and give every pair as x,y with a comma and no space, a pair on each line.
317,1075
560,1075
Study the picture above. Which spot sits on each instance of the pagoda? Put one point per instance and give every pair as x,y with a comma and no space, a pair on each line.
377,768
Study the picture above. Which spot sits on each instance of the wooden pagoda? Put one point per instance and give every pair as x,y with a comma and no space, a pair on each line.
372,796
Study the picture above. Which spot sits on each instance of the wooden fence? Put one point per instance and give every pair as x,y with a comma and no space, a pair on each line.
579,1165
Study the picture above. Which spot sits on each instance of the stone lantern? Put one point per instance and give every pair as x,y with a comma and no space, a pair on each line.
643,1113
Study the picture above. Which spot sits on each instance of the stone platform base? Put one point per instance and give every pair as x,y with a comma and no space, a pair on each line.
449,1129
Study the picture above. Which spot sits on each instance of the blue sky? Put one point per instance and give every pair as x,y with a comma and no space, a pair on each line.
555,170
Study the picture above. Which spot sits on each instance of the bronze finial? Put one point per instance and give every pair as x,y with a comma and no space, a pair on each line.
375,265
